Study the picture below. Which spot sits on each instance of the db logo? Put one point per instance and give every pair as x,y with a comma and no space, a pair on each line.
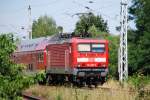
91,59
91,65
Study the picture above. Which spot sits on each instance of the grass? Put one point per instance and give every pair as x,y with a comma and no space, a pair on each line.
117,92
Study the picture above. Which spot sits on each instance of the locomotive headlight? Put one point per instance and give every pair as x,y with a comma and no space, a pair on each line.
79,65
82,59
100,59
104,65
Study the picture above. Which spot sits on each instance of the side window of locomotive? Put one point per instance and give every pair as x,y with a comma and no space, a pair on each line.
40,57
84,47
98,48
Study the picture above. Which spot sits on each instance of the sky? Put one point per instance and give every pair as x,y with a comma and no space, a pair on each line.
14,13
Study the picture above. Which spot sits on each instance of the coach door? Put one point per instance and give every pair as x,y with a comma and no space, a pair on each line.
66,60
34,61
49,60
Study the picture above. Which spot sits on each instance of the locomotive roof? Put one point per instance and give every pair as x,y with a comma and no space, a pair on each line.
87,40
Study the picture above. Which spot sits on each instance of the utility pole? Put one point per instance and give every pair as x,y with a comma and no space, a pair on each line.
123,54
29,22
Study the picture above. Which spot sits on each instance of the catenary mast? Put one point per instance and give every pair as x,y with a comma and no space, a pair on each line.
30,22
123,54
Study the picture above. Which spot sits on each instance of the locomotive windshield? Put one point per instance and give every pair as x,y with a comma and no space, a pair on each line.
98,48
84,47
91,48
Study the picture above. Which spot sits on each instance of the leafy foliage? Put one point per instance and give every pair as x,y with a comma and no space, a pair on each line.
139,80
44,26
140,83
94,31
140,12
89,21
12,80
139,40
40,77
113,55
60,29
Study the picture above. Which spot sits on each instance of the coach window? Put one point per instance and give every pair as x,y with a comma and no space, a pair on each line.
30,67
40,57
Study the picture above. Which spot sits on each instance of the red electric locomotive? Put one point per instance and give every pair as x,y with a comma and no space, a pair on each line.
78,60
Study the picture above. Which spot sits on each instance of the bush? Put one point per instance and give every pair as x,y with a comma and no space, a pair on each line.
40,77
11,89
139,80
12,79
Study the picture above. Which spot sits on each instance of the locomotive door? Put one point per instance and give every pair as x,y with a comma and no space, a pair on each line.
66,60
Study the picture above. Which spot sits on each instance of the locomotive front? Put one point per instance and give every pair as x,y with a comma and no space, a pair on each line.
90,60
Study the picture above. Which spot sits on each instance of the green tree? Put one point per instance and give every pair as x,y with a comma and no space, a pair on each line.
87,21
95,33
139,40
12,80
44,26
113,54
60,29
93,30
133,51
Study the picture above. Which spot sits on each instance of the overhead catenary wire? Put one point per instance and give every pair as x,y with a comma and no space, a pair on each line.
115,18
10,27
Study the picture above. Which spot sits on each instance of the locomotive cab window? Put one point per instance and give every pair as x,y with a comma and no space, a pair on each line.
40,57
98,48
84,47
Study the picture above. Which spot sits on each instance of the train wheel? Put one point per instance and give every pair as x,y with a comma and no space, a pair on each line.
95,84
103,79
